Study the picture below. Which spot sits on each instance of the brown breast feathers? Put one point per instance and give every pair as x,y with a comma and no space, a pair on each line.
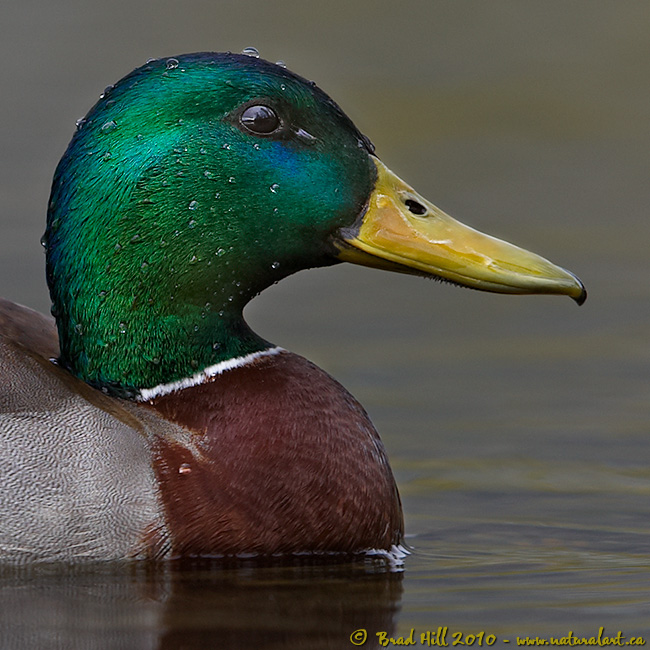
281,459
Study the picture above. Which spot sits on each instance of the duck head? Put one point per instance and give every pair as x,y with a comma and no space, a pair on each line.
196,182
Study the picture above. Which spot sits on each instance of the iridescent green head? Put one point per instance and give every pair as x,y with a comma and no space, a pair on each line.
193,184
196,182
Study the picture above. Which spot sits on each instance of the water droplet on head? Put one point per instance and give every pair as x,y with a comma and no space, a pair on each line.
274,188
216,345
102,296
107,90
78,328
193,205
251,51
122,327
171,64
275,265
44,241
231,179
109,126
79,123
194,259
282,64
184,468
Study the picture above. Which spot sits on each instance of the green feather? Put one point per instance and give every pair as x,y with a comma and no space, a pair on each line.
167,215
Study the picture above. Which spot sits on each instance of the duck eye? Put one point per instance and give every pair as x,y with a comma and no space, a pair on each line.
260,119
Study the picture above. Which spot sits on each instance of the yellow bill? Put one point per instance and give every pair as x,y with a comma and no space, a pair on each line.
402,231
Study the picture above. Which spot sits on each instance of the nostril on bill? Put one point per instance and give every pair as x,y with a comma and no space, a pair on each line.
415,207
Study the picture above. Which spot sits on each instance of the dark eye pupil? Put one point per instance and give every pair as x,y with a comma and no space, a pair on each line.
260,119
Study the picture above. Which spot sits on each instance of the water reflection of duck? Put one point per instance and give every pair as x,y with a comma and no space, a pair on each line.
197,604
167,427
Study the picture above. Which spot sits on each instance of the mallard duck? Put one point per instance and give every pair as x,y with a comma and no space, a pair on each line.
158,424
